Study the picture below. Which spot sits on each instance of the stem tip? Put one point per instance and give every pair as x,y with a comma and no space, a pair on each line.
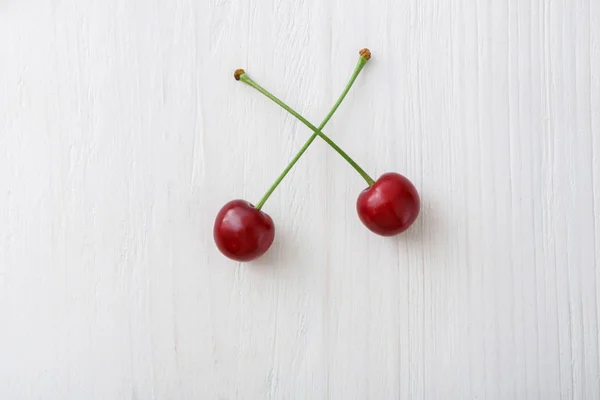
365,53
238,73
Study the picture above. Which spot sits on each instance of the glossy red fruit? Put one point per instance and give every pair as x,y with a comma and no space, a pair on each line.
390,206
242,232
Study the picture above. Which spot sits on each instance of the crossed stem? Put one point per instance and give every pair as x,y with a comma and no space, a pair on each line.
242,76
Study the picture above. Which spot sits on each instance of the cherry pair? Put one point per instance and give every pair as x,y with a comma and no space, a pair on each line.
387,207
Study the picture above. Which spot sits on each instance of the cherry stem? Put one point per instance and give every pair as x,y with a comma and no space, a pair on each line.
317,131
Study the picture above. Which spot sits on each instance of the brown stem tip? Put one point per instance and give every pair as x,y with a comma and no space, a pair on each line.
365,53
238,73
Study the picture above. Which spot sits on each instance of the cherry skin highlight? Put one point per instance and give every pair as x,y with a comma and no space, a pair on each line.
241,232
390,206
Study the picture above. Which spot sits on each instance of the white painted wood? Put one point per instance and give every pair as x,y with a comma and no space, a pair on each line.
122,132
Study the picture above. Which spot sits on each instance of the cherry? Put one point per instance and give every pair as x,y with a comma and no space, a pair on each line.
242,232
390,205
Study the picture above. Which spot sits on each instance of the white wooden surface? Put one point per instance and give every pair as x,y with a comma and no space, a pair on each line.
122,132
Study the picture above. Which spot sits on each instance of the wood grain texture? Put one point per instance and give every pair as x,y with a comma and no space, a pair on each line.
122,132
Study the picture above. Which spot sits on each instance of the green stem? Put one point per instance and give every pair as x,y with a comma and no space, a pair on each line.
317,131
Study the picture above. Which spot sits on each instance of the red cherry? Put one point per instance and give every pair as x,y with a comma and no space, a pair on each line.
390,206
242,232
